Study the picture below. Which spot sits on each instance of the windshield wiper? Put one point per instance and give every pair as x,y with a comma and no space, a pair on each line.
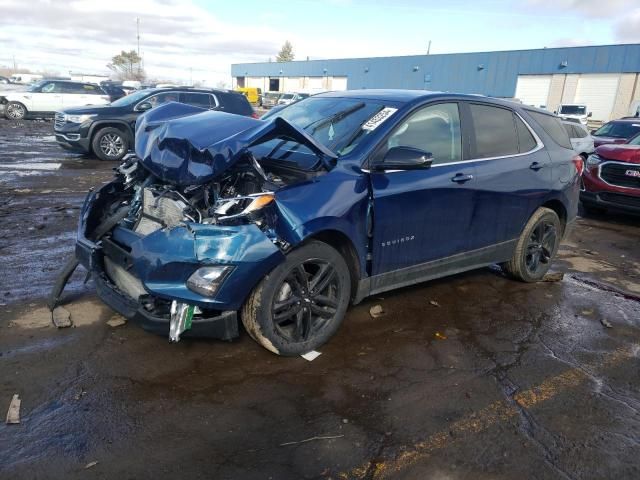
334,118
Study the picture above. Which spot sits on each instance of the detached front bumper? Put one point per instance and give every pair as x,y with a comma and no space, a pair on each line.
161,262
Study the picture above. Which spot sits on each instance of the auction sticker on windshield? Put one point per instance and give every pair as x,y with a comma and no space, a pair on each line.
377,120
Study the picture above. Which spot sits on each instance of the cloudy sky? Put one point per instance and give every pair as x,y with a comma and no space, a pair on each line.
199,39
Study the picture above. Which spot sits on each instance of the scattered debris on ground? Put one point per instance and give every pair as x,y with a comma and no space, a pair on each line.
326,437
553,277
606,323
434,303
376,311
311,356
61,317
13,414
440,336
90,464
116,321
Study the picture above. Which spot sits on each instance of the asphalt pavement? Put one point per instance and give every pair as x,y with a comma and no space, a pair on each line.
469,377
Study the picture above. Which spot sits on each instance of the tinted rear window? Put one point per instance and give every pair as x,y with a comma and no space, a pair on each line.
553,127
234,103
494,130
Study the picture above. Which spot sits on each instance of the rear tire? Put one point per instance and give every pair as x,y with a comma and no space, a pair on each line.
110,144
15,111
536,247
300,304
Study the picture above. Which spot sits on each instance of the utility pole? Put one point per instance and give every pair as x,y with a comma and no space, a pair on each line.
191,76
429,48
15,67
138,33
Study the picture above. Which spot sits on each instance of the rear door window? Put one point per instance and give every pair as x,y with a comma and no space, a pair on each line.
495,131
202,100
553,127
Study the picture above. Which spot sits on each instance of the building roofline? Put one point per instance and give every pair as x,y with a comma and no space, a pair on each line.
442,54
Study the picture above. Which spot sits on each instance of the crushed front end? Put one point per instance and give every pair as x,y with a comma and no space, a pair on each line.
189,226
177,247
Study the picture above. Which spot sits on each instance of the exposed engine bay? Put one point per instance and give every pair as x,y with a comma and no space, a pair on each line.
242,194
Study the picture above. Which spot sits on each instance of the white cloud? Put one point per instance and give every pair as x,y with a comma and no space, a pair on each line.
83,35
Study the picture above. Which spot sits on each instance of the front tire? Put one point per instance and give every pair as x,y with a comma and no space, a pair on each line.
110,144
301,303
15,111
536,247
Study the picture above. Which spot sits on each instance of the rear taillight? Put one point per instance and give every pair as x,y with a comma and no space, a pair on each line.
578,162
254,115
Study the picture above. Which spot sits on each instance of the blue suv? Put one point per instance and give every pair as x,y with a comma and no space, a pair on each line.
282,223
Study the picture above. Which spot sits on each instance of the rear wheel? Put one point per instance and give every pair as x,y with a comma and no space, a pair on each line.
536,247
110,144
299,305
15,111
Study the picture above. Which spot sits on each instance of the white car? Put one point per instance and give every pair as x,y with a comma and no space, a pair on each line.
289,98
579,113
48,96
581,139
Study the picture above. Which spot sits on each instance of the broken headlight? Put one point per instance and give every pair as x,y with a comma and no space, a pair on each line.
242,206
207,280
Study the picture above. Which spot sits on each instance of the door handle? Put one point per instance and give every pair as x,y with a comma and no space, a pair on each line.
461,178
536,166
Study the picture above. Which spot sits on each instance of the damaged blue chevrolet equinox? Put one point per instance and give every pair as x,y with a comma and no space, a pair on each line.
282,223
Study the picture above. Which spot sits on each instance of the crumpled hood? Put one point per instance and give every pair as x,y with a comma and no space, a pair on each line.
186,145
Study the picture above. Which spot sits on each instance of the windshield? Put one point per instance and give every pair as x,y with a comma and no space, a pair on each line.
573,110
286,96
337,123
132,98
618,130
272,95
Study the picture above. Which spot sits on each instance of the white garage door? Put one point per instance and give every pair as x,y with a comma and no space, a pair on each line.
598,93
257,82
316,84
533,89
339,83
292,84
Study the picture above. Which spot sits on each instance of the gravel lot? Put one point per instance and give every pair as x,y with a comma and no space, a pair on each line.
469,377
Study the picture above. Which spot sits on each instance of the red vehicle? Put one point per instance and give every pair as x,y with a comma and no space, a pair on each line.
616,131
611,179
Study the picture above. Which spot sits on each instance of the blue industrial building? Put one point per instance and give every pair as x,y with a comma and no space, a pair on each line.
603,77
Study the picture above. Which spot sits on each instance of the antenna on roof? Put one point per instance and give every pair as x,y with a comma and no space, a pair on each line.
429,48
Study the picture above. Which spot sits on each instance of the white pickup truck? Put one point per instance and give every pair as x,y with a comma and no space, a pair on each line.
576,111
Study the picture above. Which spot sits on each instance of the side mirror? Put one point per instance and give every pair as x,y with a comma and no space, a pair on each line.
589,114
144,106
405,158
555,112
593,132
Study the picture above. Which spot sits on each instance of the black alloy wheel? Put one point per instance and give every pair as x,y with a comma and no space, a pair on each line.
536,247
307,300
540,248
300,304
